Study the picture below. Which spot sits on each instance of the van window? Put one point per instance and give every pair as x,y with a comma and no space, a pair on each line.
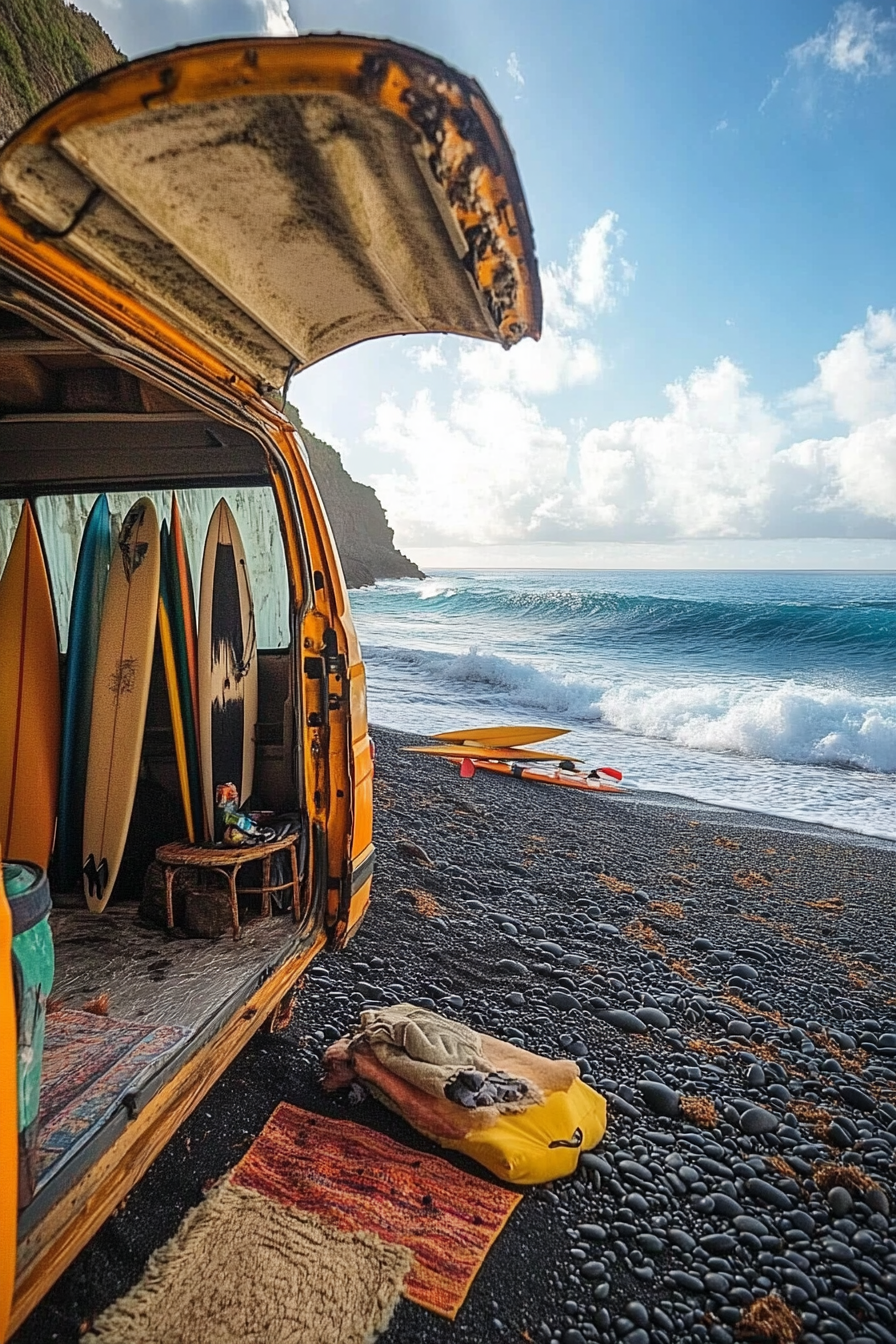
61,519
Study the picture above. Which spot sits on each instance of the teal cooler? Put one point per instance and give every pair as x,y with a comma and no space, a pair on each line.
33,963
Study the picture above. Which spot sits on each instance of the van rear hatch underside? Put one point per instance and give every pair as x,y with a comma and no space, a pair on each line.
287,201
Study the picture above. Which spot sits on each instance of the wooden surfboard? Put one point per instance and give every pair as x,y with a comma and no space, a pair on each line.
120,695
228,664
30,700
80,664
568,779
173,637
511,736
475,750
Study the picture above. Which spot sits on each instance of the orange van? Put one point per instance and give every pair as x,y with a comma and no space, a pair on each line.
180,237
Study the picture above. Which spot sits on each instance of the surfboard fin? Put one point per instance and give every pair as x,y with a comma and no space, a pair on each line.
97,875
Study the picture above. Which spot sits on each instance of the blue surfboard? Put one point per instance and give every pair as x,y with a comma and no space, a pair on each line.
91,574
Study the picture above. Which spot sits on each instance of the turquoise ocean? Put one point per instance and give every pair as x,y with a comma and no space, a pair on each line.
769,691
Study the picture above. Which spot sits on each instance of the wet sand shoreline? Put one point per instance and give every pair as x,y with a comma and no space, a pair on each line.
760,957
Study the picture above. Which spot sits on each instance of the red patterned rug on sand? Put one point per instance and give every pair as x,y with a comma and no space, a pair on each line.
357,1179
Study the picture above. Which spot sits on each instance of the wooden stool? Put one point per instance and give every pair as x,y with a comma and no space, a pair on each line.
228,862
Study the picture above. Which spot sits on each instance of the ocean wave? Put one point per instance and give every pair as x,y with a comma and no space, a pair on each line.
864,626
800,724
478,674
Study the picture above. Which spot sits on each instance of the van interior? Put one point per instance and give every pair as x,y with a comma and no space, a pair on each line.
71,425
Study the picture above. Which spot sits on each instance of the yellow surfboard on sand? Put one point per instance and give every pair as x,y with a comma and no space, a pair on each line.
120,695
475,751
509,736
30,700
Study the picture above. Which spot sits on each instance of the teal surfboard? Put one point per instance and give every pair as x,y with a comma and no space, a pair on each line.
91,574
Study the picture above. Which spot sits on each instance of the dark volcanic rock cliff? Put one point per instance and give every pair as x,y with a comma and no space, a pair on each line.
358,520
46,46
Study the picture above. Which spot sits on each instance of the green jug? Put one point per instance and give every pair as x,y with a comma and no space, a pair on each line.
33,963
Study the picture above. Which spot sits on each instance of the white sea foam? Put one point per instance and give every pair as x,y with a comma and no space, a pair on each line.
802,724
430,588
519,683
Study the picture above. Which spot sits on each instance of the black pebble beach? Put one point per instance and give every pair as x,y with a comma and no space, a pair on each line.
726,980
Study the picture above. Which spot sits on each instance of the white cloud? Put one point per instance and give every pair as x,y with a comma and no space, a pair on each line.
574,295
478,474
857,42
720,126
596,274
852,475
721,462
863,469
480,456
428,357
856,381
492,468
513,69
700,470
278,20
558,361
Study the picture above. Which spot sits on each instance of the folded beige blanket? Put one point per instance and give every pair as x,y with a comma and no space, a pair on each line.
427,1052
421,1047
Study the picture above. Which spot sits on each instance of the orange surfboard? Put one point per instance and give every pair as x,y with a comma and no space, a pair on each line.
30,700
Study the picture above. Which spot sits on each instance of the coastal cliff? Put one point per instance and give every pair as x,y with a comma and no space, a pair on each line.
360,527
46,46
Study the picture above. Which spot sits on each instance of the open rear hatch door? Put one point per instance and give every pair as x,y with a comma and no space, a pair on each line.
281,199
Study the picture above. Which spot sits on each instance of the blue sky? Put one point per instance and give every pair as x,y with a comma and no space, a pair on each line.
712,189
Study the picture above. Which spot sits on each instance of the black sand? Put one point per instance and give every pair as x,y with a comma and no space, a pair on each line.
761,961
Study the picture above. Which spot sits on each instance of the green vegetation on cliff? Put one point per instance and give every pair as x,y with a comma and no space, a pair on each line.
46,46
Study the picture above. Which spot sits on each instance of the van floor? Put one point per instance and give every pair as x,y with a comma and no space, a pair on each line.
149,975
161,998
